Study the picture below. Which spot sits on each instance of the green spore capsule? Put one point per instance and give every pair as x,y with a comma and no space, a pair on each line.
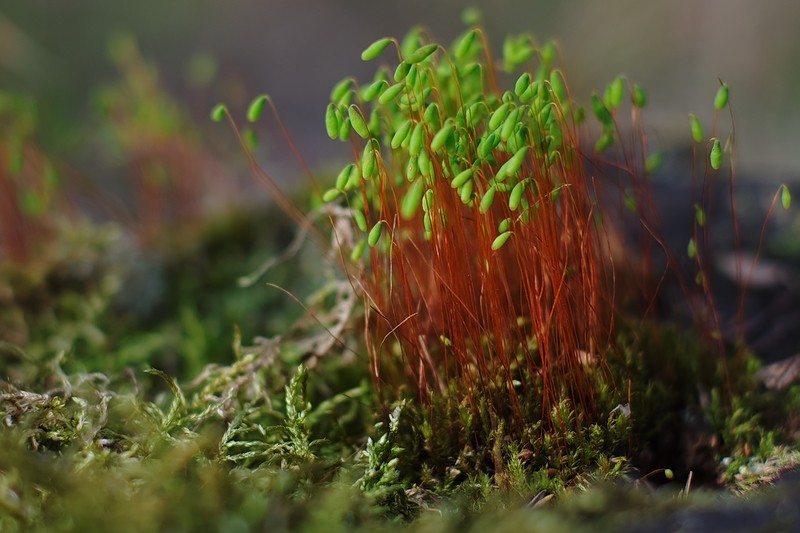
500,240
412,199
523,84
375,234
786,197
357,122
332,123
512,166
504,226
715,157
653,162
391,93
375,49
344,128
498,116
358,250
515,198
461,178
697,129
721,98
691,249
218,112
412,168
422,53
558,86
360,219
431,115
604,142
368,161
601,112
442,136
426,221
487,200
402,71
401,134
331,195
614,92
464,45
699,215
343,177
427,200
638,96
487,144
256,108
417,139
411,41
374,90
465,193
341,89
509,123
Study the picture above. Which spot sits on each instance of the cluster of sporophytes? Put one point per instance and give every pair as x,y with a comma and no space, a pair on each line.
485,242
476,210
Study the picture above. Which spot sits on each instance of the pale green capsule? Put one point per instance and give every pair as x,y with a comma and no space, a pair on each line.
466,192
487,200
375,49
401,71
426,221
605,141
509,124
357,122
653,162
391,93
699,215
374,124
331,195
332,123
500,240
401,134
442,136
424,164
341,89
697,129
601,112
515,198
523,84
464,45
548,52
344,128
498,116
373,90
721,98
715,157
614,92
471,16
358,250
629,201
427,200
256,108
417,139
218,112
412,199
368,161
786,197
343,177
412,77
638,96
431,115
360,219
557,85
375,234
422,53
412,168
504,226
461,178
411,41
354,180
512,166
487,144
691,249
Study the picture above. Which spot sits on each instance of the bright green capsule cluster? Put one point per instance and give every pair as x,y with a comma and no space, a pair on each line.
436,115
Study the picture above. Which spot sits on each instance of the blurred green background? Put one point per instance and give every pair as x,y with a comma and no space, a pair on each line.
213,50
